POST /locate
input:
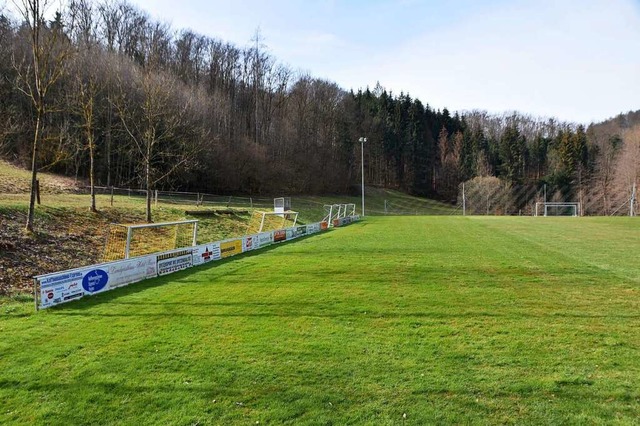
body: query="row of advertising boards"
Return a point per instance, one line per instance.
(62, 287)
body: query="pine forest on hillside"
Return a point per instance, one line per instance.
(112, 95)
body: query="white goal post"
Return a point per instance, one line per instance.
(552, 209)
(338, 211)
(282, 204)
(271, 221)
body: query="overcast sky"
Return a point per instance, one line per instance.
(577, 60)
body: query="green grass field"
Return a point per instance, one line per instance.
(407, 320)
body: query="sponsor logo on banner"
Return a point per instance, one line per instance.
(291, 233)
(60, 288)
(313, 228)
(95, 281)
(355, 217)
(174, 264)
(324, 225)
(230, 248)
(206, 253)
(336, 223)
(301, 231)
(280, 235)
(62, 278)
(265, 238)
(346, 220)
(250, 243)
(130, 271)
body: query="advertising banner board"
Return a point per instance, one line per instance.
(181, 260)
(250, 242)
(76, 283)
(265, 239)
(130, 271)
(279, 235)
(230, 248)
(62, 287)
(300, 231)
(206, 253)
(313, 228)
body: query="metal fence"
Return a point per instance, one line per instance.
(479, 196)
(490, 196)
(197, 199)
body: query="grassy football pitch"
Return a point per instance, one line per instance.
(404, 320)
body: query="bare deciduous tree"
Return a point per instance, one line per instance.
(37, 76)
(628, 166)
(156, 128)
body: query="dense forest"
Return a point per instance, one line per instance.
(104, 92)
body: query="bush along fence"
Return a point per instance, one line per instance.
(65, 286)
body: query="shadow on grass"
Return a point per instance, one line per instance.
(108, 387)
(328, 310)
(559, 390)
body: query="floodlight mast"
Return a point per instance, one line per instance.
(362, 140)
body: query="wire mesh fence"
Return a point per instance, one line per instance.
(197, 199)
(479, 196)
(491, 196)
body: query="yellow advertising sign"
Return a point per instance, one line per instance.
(229, 248)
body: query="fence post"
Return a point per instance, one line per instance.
(464, 202)
(112, 196)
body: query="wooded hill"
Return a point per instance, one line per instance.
(144, 105)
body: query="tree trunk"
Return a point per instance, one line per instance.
(148, 181)
(92, 173)
(108, 142)
(34, 173)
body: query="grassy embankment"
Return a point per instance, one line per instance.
(410, 320)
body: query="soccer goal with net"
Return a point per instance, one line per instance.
(270, 221)
(125, 241)
(557, 209)
(338, 211)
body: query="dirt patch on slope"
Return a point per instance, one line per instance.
(64, 239)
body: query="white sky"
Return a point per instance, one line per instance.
(577, 60)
